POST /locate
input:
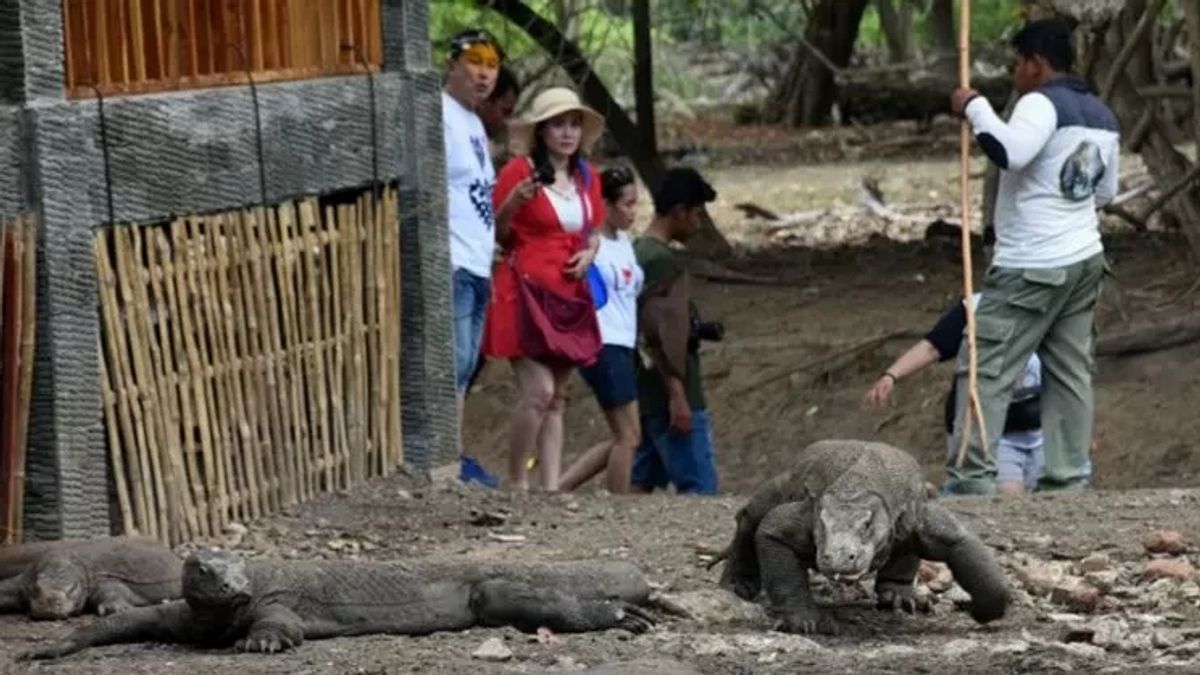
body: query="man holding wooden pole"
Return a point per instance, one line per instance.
(1058, 156)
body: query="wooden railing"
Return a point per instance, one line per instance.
(140, 46)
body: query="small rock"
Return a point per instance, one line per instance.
(1169, 568)
(572, 506)
(936, 575)
(712, 606)
(506, 538)
(1040, 578)
(958, 648)
(957, 596)
(1081, 649)
(1096, 562)
(403, 495)
(235, 529)
(1110, 632)
(1164, 541)
(1188, 590)
(492, 649)
(1104, 580)
(1010, 647)
(1076, 595)
(1165, 638)
(711, 646)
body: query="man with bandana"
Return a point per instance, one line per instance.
(472, 68)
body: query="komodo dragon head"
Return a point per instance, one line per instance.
(57, 588)
(850, 532)
(213, 578)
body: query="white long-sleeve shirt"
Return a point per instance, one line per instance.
(1058, 156)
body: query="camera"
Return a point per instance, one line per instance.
(544, 174)
(707, 331)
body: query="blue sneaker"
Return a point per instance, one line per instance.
(471, 470)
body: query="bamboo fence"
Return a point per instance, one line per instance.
(139, 46)
(18, 258)
(249, 360)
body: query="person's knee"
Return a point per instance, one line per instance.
(538, 395)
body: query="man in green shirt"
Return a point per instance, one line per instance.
(677, 440)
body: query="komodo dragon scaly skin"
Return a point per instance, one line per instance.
(269, 605)
(845, 509)
(61, 579)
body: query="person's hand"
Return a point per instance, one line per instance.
(681, 414)
(878, 395)
(960, 98)
(523, 192)
(578, 264)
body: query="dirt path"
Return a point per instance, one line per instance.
(1155, 625)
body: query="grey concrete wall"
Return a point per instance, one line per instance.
(191, 152)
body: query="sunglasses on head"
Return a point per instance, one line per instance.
(466, 41)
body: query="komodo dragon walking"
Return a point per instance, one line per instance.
(61, 579)
(845, 509)
(269, 605)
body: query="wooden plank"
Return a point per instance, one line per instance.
(151, 373)
(349, 272)
(162, 358)
(274, 397)
(374, 30)
(217, 370)
(239, 415)
(393, 362)
(120, 41)
(135, 43)
(245, 314)
(199, 366)
(146, 423)
(312, 320)
(336, 352)
(140, 482)
(11, 258)
(290, 302)
(184, 380)
(115, 450)
(174, 45)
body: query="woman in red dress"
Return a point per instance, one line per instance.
(548, 204)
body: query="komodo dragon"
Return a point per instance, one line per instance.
(60, 579)
(847, 508)
(270, 605)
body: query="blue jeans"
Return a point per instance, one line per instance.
(471, 295)
(667, 457)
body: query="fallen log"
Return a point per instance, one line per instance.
(1151, 337)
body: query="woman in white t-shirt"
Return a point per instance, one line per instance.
(613, 378)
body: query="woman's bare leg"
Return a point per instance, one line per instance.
(535, 396)
(550, 439)
(589, 464)
(627, 436)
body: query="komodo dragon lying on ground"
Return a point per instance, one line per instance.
(60, 579)
(269, 605)
(847, 508)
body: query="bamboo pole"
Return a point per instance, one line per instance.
(284, 370)
(332, 236)
(184, 380)
(964, 78)
(303, 395)
(316, 347)
(198, 371)
(393, 362)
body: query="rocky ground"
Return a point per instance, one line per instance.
(1104, 582)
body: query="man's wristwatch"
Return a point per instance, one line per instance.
(888, 373)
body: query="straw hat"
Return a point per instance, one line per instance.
(552, 103)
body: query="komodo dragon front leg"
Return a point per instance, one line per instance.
(894, 588)
(112, 596)
(941, 537)
(172, 622)
(502, 602)
(12, 598)
(785, 552)
(273, 628)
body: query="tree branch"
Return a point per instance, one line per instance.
(1131, 44)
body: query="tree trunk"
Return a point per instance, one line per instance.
(643, 75)
(806, 94)
(1191, 14)
(708, 241)
(896, 22)
(942, 27)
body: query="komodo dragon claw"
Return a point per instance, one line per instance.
(897, 598)
(634, 619)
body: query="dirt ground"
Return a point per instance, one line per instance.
(394, 518)
(781, 379)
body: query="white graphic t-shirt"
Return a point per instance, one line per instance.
(623, 279)
(470, 178)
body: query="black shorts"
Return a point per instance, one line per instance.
(612, 377)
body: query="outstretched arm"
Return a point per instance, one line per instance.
(941, 537)
(166, 623)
